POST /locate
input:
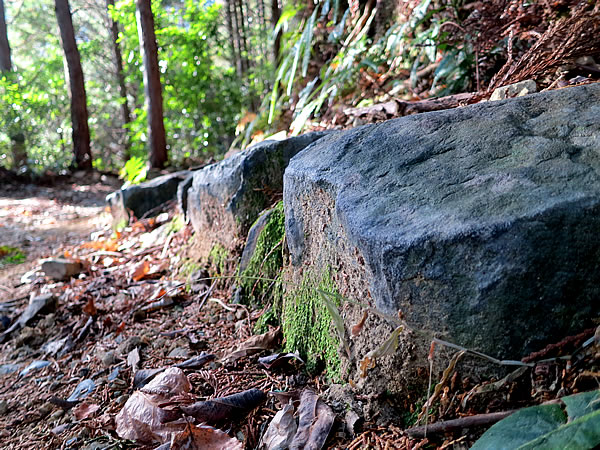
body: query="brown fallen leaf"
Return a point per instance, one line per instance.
(281, 430)
(253, 345)
(225, 408)
(203, 437)
(90, 308)
(108, 245)
(142, 419)
(279, 359)
(140, 270)
(356, 329)
(314, 424)
(85, 410)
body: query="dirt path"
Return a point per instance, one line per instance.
(41, 221)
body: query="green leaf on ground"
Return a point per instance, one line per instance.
(548, 426)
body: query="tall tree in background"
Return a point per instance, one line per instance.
(17, 138)
(156, 128)
(126, 114)
(79, 113)
(275, 15)
(5, 62)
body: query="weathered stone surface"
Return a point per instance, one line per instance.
(182, 193)
(480, 224)
(141, 198)
(61, 268)
(227, 197)
(38, 305)
(514, 90)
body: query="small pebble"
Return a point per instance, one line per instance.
(108, 358)
(45, 409)
(56, 415)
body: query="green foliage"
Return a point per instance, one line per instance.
(10, 255)
(134, 171)
(201, 95)
(548, 426)
(421, 40)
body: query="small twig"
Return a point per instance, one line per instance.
(220, 302)
(457, 424)
(205, 296)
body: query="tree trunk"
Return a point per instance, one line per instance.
(156, 127)
(243, 38)
(17, 139)
(5, 62)
(232, 39)
(125, 113)
(236, 39)
(79, 113)
(275, 15)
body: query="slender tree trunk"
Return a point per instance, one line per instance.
(5, 61)
(243, 38)
(17, 139)
(232, 4)
(79, 113)
(275, 15)
(232, 39)
(125, 113)
(156, 127)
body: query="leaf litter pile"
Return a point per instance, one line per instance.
(114, 347)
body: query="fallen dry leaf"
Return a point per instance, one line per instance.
(225, 408)
(140, 271)
(314, 424)
(356, 329)
(142, 419)
(90, 308)
(108, 245)
(85, 410)
(281, 430)
(253, 345)
(203, 437)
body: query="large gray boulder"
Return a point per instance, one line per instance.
(480, 224)
(143, 198)
(227, 197)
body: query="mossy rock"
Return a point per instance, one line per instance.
(307, 325)
(262, 260)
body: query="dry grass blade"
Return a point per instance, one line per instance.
(569, 38)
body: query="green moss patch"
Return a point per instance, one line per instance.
(11, 255)
(308, 328)
(218, 260)
(256, 282)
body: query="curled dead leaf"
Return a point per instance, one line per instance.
(253, 345)
(230, 407)
(356, 329)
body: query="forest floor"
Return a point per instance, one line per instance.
(68, 371)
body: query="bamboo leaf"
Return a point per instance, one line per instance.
(308, 41)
